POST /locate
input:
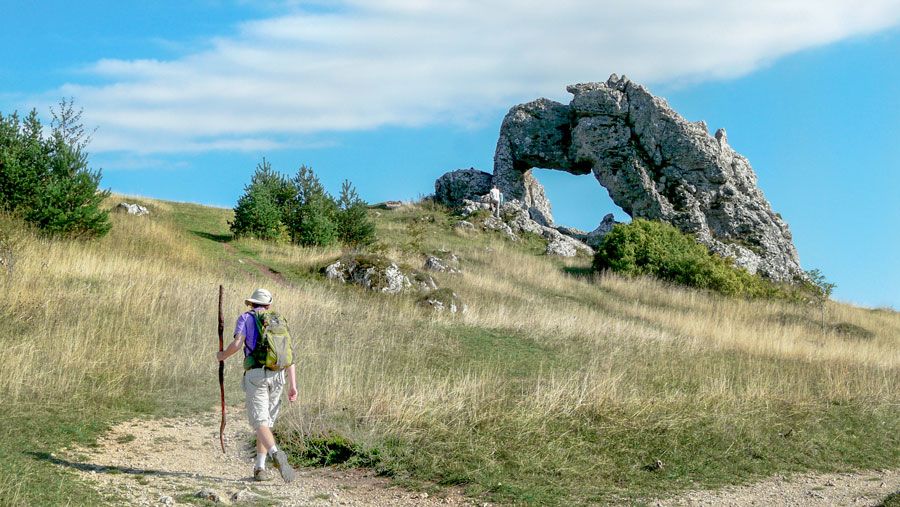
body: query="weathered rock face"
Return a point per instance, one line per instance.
(655, 165)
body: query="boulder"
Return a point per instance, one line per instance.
(133, 209)
(453, 187)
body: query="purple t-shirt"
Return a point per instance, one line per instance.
(246, 326)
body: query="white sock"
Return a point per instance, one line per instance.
(261, 461)
(273, 450)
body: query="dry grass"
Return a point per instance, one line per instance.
(547, 376)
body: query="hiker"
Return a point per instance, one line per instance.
(262, 385)
(496, 197)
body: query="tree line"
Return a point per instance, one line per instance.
(275, 207)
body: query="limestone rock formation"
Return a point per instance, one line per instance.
(655, 165)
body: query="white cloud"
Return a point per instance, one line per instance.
(361, 64)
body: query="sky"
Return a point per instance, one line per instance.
(390, 94)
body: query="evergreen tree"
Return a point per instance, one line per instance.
(311, 216)
(260, 211)
(354, 227)
(47, 180)
(69, 202)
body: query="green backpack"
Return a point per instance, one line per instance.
(273, 345)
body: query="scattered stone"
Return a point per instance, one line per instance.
(210, 495)
(133, 209)
(443, 299)
(440, 265)
(423, 281)
(493, 223)
(387, 205)
(166, 500)
(464, 225)
(245, 495)
(469, 206)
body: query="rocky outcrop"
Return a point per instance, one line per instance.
(378, 273)
(655, 165)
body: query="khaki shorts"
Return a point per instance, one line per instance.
(263, 389)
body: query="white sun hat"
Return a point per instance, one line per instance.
(260, 297)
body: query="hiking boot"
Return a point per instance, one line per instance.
(261, 474)
(280, 460)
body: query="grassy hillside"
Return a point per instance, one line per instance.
(555, 387)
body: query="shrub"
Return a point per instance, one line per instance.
(658, 249)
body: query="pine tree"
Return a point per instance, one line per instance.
(311, 216)
(48, 180)
(354, 227)
(260, 211)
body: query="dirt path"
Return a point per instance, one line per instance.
(849, 489)
(172, 461)
(264, 270)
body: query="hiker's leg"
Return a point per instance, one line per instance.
(264, 439)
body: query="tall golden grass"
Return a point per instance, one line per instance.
(135, 313)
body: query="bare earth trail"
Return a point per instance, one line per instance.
(170, 461)
(264, 270)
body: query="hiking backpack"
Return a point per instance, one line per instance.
(273, 349)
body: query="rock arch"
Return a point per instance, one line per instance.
(654, 164)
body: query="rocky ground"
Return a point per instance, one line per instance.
(180, 461)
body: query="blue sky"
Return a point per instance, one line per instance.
(391, 94)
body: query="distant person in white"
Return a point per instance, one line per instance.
(496, 197)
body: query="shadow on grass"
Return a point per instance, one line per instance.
(90, 467)
(218, 238)
(585, 273)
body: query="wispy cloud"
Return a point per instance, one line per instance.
(361, 64)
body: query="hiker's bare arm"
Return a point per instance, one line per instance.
(231, 348)
(292, 382)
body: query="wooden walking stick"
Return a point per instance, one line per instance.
(222, 370)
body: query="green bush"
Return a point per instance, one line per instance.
(658, 249)
(46, 180)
